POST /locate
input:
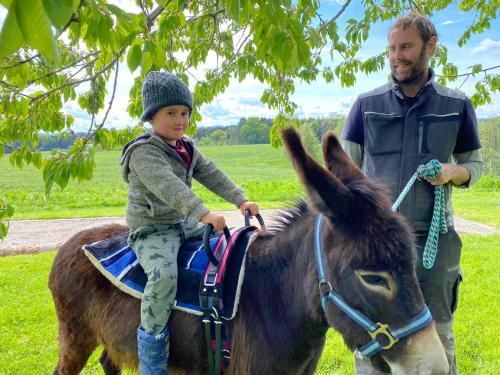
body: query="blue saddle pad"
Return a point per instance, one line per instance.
(117, 261)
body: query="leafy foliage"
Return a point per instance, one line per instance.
(53, 52)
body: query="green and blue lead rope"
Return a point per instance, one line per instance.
(438, 223)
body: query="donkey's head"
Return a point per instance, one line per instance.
(368, 261)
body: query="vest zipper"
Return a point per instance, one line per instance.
(420, 136)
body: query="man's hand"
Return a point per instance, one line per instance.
(218, 221)
(457, 174)
(251, 206)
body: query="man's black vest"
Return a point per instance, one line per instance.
(399, 135)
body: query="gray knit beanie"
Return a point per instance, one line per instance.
(161, 89)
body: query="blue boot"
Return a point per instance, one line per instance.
(153, 352)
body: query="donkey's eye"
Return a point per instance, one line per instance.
(376, 280)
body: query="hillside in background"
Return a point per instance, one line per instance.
(254, 130)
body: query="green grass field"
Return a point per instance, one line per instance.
(28, 324)
(265, 174)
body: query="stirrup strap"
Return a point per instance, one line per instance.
(208, 340)
(218, 345)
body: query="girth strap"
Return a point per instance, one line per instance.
(210, 301)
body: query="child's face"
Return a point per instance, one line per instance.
(171, 122)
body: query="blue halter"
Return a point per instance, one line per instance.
(423, 319)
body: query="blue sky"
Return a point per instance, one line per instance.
(320, 99)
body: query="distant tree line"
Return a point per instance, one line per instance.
(252, 130)
(49, 142)
(255, 130)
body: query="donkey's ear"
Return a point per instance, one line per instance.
(327, 192)
(338, 162)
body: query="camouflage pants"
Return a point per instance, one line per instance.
(439, 286)
(156, 247)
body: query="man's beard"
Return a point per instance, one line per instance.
(417, 69)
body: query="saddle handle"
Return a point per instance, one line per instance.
(258, 217)
(206, 242)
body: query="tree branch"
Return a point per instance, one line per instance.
(78, 82)
(20, 62)
(339, 13)
(112, 96)
(154, 15)
(91, 133)
(6, 146)
(467, 74)
(29, 83)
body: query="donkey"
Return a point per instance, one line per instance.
(367, 261)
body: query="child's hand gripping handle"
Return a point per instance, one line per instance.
(257, 216)
(206, 242)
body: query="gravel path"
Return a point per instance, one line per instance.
(32, 236)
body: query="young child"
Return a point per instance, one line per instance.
(162, 211)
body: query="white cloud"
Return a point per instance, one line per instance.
(488, 46)
(450, 22)
(339, 2)
(128, 6)
(229, 107)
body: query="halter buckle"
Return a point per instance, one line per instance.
(324, 288)
(383, 329)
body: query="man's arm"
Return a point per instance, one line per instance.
(353, 134)
(469, 164)
(468, 169)
(473, 162)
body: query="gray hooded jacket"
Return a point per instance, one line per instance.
(159, 189)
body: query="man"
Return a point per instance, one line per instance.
(393, 129)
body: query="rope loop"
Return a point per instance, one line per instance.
(438, 222)
(430, 170)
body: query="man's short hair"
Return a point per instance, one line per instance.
(425, 27)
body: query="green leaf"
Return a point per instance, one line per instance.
(477, 68)
(3, 230)
(147, 62)
(233, 6)
(10, 210)
(59, 11)
(159, 57)
(12, 158)
(11, 37)
(134, 55)
(36, 159)
(6, 3)
(64, 175)
(6, 210)
(27, 23)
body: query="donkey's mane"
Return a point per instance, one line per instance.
(288, 216)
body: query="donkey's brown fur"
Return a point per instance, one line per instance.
(280, 327)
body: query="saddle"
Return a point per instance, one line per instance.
(117, 261)
(210, 274)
